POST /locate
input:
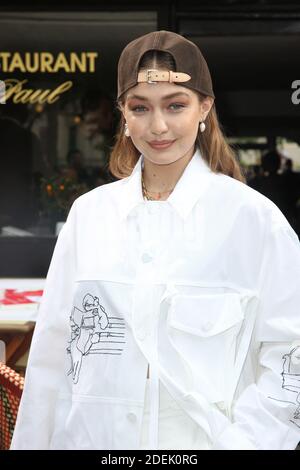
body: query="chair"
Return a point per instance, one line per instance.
(11, 387)
(2, 352)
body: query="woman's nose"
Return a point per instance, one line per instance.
(158, 123)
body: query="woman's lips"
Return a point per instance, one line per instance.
(160, 146)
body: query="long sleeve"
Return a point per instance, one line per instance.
(45, 363)
(266, 412)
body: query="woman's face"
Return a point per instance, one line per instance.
(153, 115)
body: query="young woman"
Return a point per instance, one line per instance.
(170, 317)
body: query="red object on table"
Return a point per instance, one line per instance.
(14, 296)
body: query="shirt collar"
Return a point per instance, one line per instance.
(188, 190)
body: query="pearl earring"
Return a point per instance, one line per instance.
(202, 127)
(126, 130)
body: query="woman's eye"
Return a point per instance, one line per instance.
(174, 106)
(136, 108)
(177, 105)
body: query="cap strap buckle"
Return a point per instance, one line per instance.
(154, 76)
(149, 76)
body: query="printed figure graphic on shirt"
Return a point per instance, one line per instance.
(291, 380)
(87, 328)
(291, 376)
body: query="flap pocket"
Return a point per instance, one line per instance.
(205, 314)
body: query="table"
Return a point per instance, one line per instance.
(19, 302)
(17, 339)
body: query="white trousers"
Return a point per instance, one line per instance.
(176, 430)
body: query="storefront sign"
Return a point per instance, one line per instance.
(41, 62)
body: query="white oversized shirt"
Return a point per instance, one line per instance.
(204, 286)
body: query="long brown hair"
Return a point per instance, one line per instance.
(212, 143)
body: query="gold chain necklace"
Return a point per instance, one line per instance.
(146, 193)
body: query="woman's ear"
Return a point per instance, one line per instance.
(206, 105)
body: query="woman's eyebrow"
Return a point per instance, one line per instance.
(144, 98)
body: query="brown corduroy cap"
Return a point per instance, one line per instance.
(191, 67)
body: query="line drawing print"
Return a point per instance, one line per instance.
(93, 332)
(291, 379)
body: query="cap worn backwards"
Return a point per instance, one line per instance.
(191, 67)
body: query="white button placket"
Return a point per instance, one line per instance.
(145, 313)
(145, 323)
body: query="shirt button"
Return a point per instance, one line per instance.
(146, 258)
(132, 417)
(207, 326)
(133, 213)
